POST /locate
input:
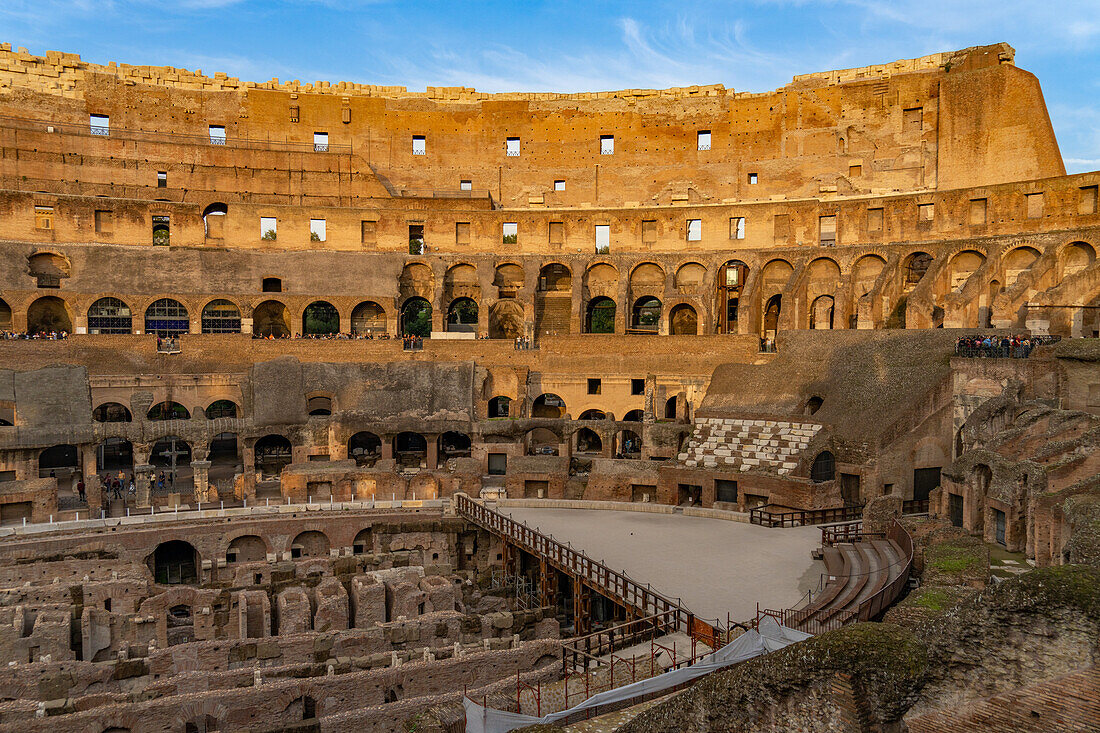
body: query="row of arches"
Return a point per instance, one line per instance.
(167, 410)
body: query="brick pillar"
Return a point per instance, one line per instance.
(387, 447)
(202, 483)
(432, 460)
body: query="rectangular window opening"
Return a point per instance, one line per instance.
(737, 227)
(1034, 205)
(103, 221)
(99, 124)
(782, 227)
(607, 144)
(320, 142)
(462, 232)
(874, 220)
(649, 231)
(827, 230)
(509, 232)
(416, 239)
(595, 386)
(694, 230)
(603, 238)
(557, 233)
(559, 185)
(217, 134)
(43, 217)
(162, 179)
(1087, 205)
(367, 229)
(637, 386)
(978, 209)
(316, 230)
(269, 228)
(753, 179)
(926, 213)
(511, 147)
(704, 140)
(912, 119)
(855, 170)
(466, 185)
(420, 145)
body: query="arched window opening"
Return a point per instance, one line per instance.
(368, 318)
(270, 319)
(112, 412)
(588, 441)
(58, 461)
(221, 316)
(246, 548)
(454, 445)
(670, 408)
(813, 405)
(823, 468)
(319, 405)
(555, 277)
(168, 411)
(416, 318)
(49, 315)
(174, 563)
(600, 317)
(646, 316)
(221, 408)
(683, 321)
(364, 448)
(410, 450)
(320, 319)
(916, 267)
(213, 220)
(310, 543)
(499, 406)
(462, 316)
(541, 442)
(593, 415)
(5, 316)
(731, 279)
(548, 405)
(633, 416)
(110, 315)
(167, 318)
(273, 453)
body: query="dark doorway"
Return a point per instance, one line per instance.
(849, 488)
(924, 480)
(955, 509)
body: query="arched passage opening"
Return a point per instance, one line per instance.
(114, 455)
(49, 315)
(224, 456)
(246, 548)
(731, 279)
(363, 542)
(213, 220)
(593, 414)
(60, 461)
(628, 444)
(320, 318)
(541, 442)
(222, 408)
(600, 316)
(221, 316)
(368, 319)
(111, 412)
(548, 405)
(823, 467)
(634, 416)
(500, 406)
(1076, 257)
(174, 563)
(454, 445)
(273, 454)
(821, 313)
(364, 448)
(553, 300)
(670, 408)
(110, 315)
(416, 318)
(168, 411)
(410, 450)
(646, 315)
(683, 320)
(462, 316)
(5, 316)
(173, 454)
(167, 318)
(588, 441)
(916, 265)
(771, 318)
(310, 543)
(270, 319)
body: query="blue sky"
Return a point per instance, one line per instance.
(752, 45)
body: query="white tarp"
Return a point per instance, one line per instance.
(769, 637)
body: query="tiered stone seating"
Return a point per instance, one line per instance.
(856, 572)
(745, 445)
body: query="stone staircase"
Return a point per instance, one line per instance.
(746, 445)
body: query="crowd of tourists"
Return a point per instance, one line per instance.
(992, 346)
(37, 336)
(412, 343)
(524, 343)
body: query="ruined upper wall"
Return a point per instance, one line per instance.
(873, 130)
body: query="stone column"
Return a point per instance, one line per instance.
(143, 475)
(432, 460)
(387, 447)
(201, 470)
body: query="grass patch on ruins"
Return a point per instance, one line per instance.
(932, 599)
(961, 556)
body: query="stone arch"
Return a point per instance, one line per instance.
(541, 442)
(683, 320)
(462, 315)
(628, 444)
(58, 458)
(587, 440)
(112, 412)
(508, 278)
(1076, 256)
(645, 316)
(168, 410)
(915, 266)
(647, 275)
(310, 543)
(823, 468)
(772, 309)
(368, 318)
(365, 448)
(49, 314)
(453, 444)
(865, 272)
(213, 220)
(821, 313)
(110, 315)
(410, 449)
(364, 541)
(271, 318)
(500, 406)
(174, 562)
(634, 416)
(728, 288)
(1016, 262)
(5, 315)
(548, 405)
(221, 316)
(460, 281)
(247, 548)
(593, 414)
(601, 278)
(555, 277)
(599, 316)
(416, 317)
(506, 320)
(222, 408)
(273, 453)
(690, 277)
(48, 268)
(417, 280)
(320, 318)
(167, 317)
(961, 267)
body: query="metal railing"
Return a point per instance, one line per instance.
(583, 652)
(72, 128)
(639, 599)
(766, 516)
(851, 532)
(914, 506)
